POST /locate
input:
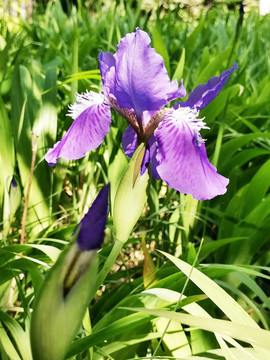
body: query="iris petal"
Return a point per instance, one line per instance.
(183, 162)
(146, 161)
(142, 82)
(180, 93)
(203, 94)
(153, 156)
(129, 142)
(91, 125)
(107, 71)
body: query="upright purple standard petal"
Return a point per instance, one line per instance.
(107, 71)
(180, 93)
(93, 224)
(182, 158)
(141, 80)
(92, 119)
(203, 94)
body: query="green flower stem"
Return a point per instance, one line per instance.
(108, 264)
(218, 144)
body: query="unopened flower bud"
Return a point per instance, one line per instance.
(68, 287)
(130, 196)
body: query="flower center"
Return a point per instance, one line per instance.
(190, 117)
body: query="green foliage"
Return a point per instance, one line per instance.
(223, 297)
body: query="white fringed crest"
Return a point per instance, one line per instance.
(190, 117)
(84, 101)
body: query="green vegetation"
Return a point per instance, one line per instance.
(200, 288)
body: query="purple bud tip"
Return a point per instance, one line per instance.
(93, 224)
(14, 183)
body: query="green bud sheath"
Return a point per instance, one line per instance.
(130, 196)
(62, 302)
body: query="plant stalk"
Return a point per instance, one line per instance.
(108, 265)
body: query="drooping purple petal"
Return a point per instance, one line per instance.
(93, 224)
(92, 118)
(183, 162)
(203, 94)
(129, 141)
(142, 82)
(107, 71)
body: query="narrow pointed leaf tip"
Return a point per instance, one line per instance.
(92, 226)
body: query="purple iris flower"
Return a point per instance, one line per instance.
(92, 226)
(136, 85)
